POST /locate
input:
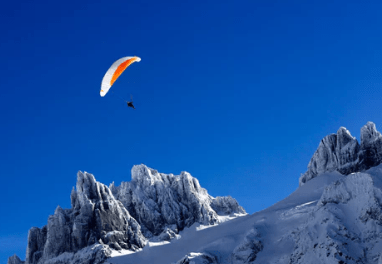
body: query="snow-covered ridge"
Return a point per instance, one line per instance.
(152, 206)
(331, 219)
(345, 225)
(341, 152)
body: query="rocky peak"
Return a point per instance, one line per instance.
(86, 184)
(162, 201)
(344, 137)
(96, 217)
(152, 205)
(142, 173)
(15, 260)
(369, 134)
(341, 152)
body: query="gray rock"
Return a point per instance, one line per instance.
(95, 217)
(343, 153)
(58, 234)
(226, 205)
(371, 147)
(15, 260)
(167, 235)
(346, 152)
(36, 242)
(158, 200)
(247, 251)
(199, 258)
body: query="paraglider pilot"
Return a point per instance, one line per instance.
(130, 104)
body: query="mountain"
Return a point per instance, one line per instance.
(263, 237)
(341, 152)
(151, 207)
(334, 216)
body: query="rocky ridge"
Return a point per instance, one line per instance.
(159, 201)
(341, 152)
(152, 206)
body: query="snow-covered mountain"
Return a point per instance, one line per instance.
(334, 216)
(331, 219)
(151, 207)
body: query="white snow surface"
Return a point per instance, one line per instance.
(267, 234)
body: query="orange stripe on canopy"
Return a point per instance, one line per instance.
(120, 69)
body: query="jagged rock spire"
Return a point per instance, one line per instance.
(95, 217)
(341, 152)
(159, 200)
(15, 260)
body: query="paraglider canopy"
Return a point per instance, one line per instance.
(115, 71)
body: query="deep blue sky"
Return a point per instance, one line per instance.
(238, 93)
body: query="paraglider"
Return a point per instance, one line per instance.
(130, 104)
(112, 74)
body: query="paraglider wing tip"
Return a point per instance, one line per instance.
(137, 59)
(102, 93)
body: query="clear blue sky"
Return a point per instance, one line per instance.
(238, 93)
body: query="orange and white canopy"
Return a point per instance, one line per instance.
(115, 71)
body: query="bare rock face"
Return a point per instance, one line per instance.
(347, 150)
(96, 218)
(159, 201)
(226, 205)
(199, 258)
(14, 260)
(101, 215)
(58, 234)
(343, 153)
(247, 251)
(371, 146)
(36, 242)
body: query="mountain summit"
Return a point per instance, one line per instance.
(167, 203)
(341, 152)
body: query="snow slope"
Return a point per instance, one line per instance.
(227, 243)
